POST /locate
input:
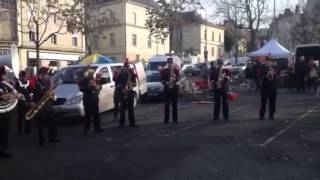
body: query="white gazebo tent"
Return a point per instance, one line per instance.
(271, 49)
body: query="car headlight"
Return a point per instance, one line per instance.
(74, 100)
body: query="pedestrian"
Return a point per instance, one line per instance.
(45, 118)
(91, 89)
(24, 98)
(220, 78)
(268, 91)
(125, 81)
(312, 78)
(4, 116)
(249, 76)
(301, 70)
(169, 77)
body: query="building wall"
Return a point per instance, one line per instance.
(63, 46)
(123, 31)
(136, 26)
(215, 42)
(8, 28)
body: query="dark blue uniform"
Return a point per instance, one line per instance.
(91, 105)
(268, 92)
(170, 94)
(22, 87)
(45, 118)
(126, 96)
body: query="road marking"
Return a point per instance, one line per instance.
(271, 139)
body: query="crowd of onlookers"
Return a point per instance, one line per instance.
(304, 76)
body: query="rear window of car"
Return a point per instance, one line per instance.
(72, 74)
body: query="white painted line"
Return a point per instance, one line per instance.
(271, 139)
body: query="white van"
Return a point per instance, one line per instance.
(69, 96)
(159, 61)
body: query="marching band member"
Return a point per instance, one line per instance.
(169, 78)
(268, 91)
(45, 116)
(220, 79)
(125, 81)
(91, 89)
(24, 96)
(4, 117)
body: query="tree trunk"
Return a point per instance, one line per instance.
(37, 43)
(252, 43)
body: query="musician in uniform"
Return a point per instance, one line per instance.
(4, 116)
(24, 96)
(91, 89)
(45, 118)
(268, 90)
(220, 78)
(125, 81)
(169, 78)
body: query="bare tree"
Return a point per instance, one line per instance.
(232, 12)
(81, 18)
(306, 31)
(45, 20)
(166, 17)
(254, 12)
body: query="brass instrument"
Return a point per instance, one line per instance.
(33, 112)
(221, 78)
(173, 78)
(270, 73)
(8, 97)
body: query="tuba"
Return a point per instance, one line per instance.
(8, 97)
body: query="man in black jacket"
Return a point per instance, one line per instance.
(4, 120)
(169, 78)
(91, 89)
(125, 81)
(45, 117)
(220, 78)
(24, 96)
(268, 90)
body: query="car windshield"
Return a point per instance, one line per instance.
(237, 65)
(72, 74)
(154, 77)
(156, 65)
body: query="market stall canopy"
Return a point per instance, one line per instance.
(271, 49)
(96, 59)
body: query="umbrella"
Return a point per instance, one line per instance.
(96, 59)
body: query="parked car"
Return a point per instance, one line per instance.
(159, 61)
(191, 69)
(155, 87)
(69, 96)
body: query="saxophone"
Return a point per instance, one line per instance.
(33, 112)
(173, 78)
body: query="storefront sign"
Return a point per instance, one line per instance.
(54, 56)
